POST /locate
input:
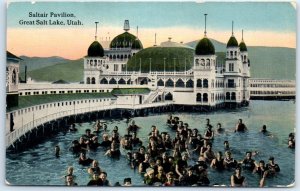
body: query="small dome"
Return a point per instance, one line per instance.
(96, 50)
(205, 47)
(124, 40)
(243, 46)
(232, 42)
(137, 44)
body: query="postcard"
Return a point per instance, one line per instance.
(151, 94)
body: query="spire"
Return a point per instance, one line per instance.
(96, 30)
(232, 29)
(242, 35)
(155, 40)
(126, 25)
(137, 32)
(205, 25)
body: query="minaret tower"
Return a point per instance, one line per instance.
(246, 71)
(95, 62)
(233, 75)
(204, 70)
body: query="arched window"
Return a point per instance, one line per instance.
(197, 62)
(205, 84)
(169, 83)
(169, 96)
(179, 83)
(110, 56)
(91, 62)
(93, 81)
(208, 62)
(202, 62)
(233, 97)
(88, 80)
(144, 81)
(160, 82)
(198, 98)
(14, 77)
(227, 96)
(125, 57)
(121, 81)
(112, 81)
(118, 56)
(95, 62)
(129, 81)
(114, 57)
(199, 83)
(205, 97)
(190, 83)
(121, 57)
(103, 81)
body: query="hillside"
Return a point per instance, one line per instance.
(34, 63)
(70, 71)
(266, 62)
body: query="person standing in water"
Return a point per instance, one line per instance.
(240, 127)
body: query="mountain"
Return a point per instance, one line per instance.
(69, 71)
(34, 63)
(265, 62)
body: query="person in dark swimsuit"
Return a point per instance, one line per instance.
(240, 127)
(113, 152)
(218, 163)
(248, 162)
(83, 160)
(237, 180)
(272, 167)
(229, 162)
(261, 169)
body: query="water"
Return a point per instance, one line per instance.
(39, 166)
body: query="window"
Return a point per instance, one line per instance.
(231, 83)
(231, 67)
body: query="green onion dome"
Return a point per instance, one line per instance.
(95, 50)
(243, 46)
(232, 42)
(124, 40)
(137, 45)
(162, 59)
(205, 47)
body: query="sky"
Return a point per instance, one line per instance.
(264, 24)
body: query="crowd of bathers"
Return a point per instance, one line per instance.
(163, 160)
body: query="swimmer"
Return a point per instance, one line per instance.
(229, 162)
(127, 182)
(57, 151)
(103, 177)
(209, 133)
(220, 129)
(83, 160)
(218, 162)
(95, 169)
(70, 181)
(272, 167)
(170, 179)
(237, 180)
(248, 162)
(96, 181)
(73, 128)
(113, 152)
(240, 127)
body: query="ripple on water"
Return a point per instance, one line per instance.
(39, 166)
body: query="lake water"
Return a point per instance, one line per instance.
(39, 166)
